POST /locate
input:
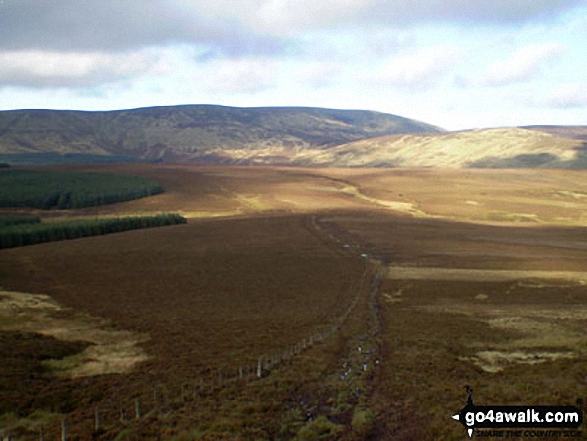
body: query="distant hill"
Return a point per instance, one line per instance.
(574, 132)
(296, 136)
(202, 133)
(486, 148)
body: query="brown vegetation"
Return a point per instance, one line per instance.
(272, 256)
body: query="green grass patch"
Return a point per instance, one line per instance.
(320, 428)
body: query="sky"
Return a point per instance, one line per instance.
(457, 64)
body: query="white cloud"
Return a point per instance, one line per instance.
(319, 74)
(418, 69)
(238, 76)
(523, 65)
(284, 17)
(570, 96)
(38, 69)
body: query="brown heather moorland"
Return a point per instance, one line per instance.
(354, 282)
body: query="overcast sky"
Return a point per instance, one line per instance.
(457, 64)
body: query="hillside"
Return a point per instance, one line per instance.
(488, 148)
(202, 133)
(296, 136)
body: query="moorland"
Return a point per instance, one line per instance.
(299, 303)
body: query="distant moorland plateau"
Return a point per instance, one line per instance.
(295, 136)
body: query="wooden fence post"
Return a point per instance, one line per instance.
(260, 367)
(184, 391)
(195, 389)
(63, 430)
(41, 433)
(137, 408)
(96, 420)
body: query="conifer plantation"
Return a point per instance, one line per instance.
(29, 233)
(65, 190)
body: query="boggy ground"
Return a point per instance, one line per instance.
(273, 256)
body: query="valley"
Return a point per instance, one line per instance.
(300, 303)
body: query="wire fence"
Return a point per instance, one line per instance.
(164, 398)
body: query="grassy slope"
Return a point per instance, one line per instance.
(514, 147)
(284, 136)
(191, 132)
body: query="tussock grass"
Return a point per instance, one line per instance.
(110, 351)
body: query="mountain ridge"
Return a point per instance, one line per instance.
(191, 132)
(291, 136)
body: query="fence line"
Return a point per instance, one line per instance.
(122, 413)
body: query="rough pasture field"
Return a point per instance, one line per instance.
(404, 276)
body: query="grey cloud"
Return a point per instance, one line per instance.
(502, 12)
(219, 29)
(115, 25)
(289, 17)
(231, 28)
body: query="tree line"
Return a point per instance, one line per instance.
(22, 234)
(66, 190)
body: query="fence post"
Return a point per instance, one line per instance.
(63, 430)
(96, 420)
(41, 433)
(183, 393)
(260, 367)
(137, 409)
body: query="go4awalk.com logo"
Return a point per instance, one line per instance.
(520, 421)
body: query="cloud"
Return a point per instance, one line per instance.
(503, 12)
(570, 96)
(114, 25)
(319, 74)
(238, 76)
(283, 17)
(273, 15)
(48, 69)
(418, 69)
(233, 28)
(523, 65)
